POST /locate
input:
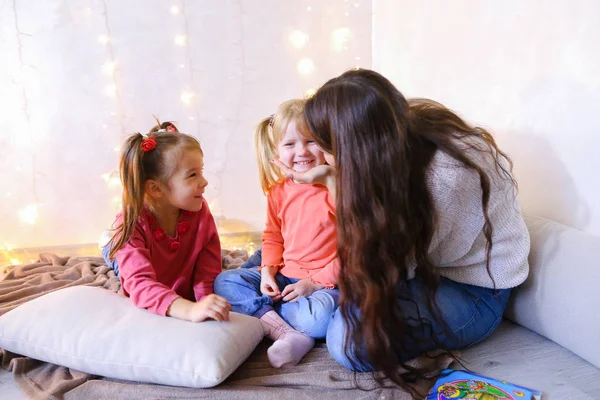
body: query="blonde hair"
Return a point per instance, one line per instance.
(269, 132)
(137, 166)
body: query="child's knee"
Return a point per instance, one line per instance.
(235, 278)
(324, 302)
(223, 280)
(317, 312)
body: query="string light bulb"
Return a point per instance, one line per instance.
(174, 10)
(340, 37)
(104, 39)
(112, 179)
(187, 97)
(180, 40)
(298, 39)
(108, 67)
(306, 66)
(310, 93)
(104, 239)
(29, 214)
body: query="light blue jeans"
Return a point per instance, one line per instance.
(471, 313)
(254, 260)
(112, 264)
(310, 315)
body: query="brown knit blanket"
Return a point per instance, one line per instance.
(317, 376)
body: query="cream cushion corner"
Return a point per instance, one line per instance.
(100, 332)
(560, 298)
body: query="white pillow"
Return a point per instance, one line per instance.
(100, 332)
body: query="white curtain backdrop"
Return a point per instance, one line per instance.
(78, 76)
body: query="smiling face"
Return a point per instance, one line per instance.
(297, 151)
(187, 184)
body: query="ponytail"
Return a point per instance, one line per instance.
(133, 179)
(266, 150)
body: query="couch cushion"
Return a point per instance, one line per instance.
(560, 298)
(520, 356)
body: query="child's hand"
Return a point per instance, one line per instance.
(303, 287)
(268, 285)
(212, 306)
(321, 174)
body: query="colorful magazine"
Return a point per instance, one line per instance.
(463, 385)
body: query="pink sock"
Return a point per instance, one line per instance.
(289, 345)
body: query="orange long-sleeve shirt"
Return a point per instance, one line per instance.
(300, 234)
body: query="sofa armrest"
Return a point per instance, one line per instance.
(561, 297)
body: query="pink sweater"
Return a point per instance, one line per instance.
(156, 269)
(300, 234)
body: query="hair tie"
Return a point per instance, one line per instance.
(271, 119)
(170, 128)
(148, 143)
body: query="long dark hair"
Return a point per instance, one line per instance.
(383, 145)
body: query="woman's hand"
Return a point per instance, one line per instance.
(321, 174)
(303, 287)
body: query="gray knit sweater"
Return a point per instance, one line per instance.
(458, 244)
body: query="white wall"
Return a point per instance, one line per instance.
(64, 111)
(527, 70)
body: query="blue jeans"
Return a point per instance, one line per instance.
(112, 264)
(254, 260)
(310, 315)
(471, 313)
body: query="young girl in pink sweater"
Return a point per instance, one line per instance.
(293, 291)
(165, 241)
